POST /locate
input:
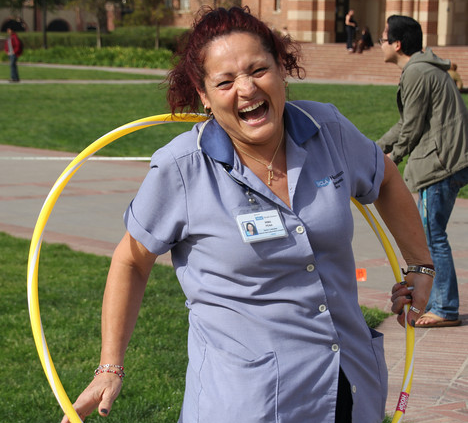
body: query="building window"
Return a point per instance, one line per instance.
(277, 5)
(184, 4)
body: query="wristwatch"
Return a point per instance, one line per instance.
(420, 269)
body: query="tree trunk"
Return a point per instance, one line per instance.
(98, 36)
(101, 15)
(44, 24)
(156, 40)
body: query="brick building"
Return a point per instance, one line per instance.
(322, 21)
(315, 21)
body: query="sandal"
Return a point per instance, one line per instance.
(434, 321)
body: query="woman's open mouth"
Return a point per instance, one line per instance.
(254, 112)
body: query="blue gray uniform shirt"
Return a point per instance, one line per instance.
(271, 322)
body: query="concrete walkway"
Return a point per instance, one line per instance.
(88, 217)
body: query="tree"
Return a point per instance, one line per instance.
(99, 9)
(44, 6)
(15, 22)
(13, 5)
(150, 13)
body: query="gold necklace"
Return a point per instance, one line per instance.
(269, 166)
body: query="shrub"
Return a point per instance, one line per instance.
(141, 36)
(144, 36)
(134, 57)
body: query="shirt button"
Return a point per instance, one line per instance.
(300, 229)
(322, 308)
(335, 347)
(310, 267)
(354, 389)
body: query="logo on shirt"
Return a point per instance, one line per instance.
(335, 179)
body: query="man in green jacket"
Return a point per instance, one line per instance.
(433, 132)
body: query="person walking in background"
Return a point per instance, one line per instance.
(433, 131)
(13, 49)
(350, 28)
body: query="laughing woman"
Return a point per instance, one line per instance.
(282, 339)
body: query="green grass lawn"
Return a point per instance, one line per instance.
(29, 73)
(71, 285)
(68, 117)
(53, 115)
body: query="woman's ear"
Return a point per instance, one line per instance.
(283, 72)
(203, 98)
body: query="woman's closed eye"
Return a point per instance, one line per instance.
(224, 84)
(256, 73)
(259, 71)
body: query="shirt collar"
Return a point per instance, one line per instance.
(215, 142)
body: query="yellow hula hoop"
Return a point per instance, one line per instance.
(36, 242)
(410, 339)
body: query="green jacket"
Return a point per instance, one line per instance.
(433, 125)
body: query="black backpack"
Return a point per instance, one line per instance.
(21, 46)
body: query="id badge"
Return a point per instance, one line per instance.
(261, 225)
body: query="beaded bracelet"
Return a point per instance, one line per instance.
(106, 368)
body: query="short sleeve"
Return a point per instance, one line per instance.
(157, 216)
(365, 161)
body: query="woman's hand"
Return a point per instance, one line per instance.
(415, 290)
(100, 393)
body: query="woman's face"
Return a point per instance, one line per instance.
(244, 88)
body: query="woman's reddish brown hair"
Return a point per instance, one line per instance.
(188, 75)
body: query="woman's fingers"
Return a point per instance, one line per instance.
(402, 294)
(100, 393)
(415, 290)
(108, 398)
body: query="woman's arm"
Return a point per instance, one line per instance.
(398, 210)
(348, 20)
(126, 282)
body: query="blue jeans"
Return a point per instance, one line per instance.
(13, 68)
(435, 207)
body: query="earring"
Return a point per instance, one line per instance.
(207, 111)
(285, 84)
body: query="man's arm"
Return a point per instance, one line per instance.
(414, 105)
(387, 141)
